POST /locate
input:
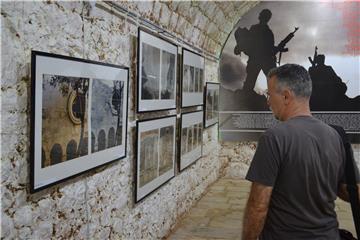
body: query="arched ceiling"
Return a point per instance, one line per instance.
(204, 24)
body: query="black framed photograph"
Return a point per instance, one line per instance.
(157, 63)
(190, 138)
(211, 104)
(192, 83)
(155, 161)
(79, 116)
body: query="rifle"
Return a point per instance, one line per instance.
(281, 47)
(312, 61)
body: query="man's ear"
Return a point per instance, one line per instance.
(288, 96)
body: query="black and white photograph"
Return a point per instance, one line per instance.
(150, 78)
(157, 61)
(322, 36)
(149, 156)
(107, 105)
(191, 138)
(211, 104)
(192, 79)
(168, 76)
(79, 116)
(165, 149)
(155, 161)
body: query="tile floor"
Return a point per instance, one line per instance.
(219, 213)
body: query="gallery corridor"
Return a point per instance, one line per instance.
(219, 213)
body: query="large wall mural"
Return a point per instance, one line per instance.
(321, 36)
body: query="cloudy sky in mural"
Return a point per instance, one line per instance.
(331, 26)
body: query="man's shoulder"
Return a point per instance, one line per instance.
(300, 125)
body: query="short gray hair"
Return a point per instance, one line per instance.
(294, 77)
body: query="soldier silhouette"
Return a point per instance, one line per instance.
(258, 44)
(328, 89)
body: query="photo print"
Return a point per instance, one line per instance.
(326, 44)
(107, 105)
(156, 73)
(155, 162)
(192, 79)
(79, 116)
(211, 104)
(63, 94)
(191, 138)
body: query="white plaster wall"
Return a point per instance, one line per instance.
(97, 204)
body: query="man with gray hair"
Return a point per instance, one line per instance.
(298, 169)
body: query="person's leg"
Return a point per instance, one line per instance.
(252, 72)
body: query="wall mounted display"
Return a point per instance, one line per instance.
(191, 138)
(155, 162)
(157, 63)
(326, 44)
(193, 65)
(79, 116)
(211, 104)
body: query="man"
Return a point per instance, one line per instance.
(261, 50)
(298, 168)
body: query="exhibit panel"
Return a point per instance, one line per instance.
(155, 159)
(321, 36)
(190, 138)
(89, 101)
(157, 64)
(192, 81)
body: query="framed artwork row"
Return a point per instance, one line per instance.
(211, 104)
(157, 64)
(79, 116)
(155, 162)
(192, 85)
(190, 138)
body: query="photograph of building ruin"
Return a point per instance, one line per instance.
(149, 156)
(106, 114)
(64, 119)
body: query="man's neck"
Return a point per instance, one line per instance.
(298, 109)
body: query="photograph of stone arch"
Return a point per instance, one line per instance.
(157, 67)
(155, 160)
(107, 105)
(64, 103)
(191, 138)
(79, 116)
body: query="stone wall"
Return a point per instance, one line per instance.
(239, 155)
(98, 204)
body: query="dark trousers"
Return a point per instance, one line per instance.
(253, 69)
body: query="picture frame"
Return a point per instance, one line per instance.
(211, 113)
(78, 117)
(191, 138)
(192, 79)
(157, 72)
(155, 154)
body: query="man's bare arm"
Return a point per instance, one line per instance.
(343, 193)
(256, 210)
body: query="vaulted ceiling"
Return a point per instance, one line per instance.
(204, 24)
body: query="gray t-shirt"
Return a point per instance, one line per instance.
(303, 159)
